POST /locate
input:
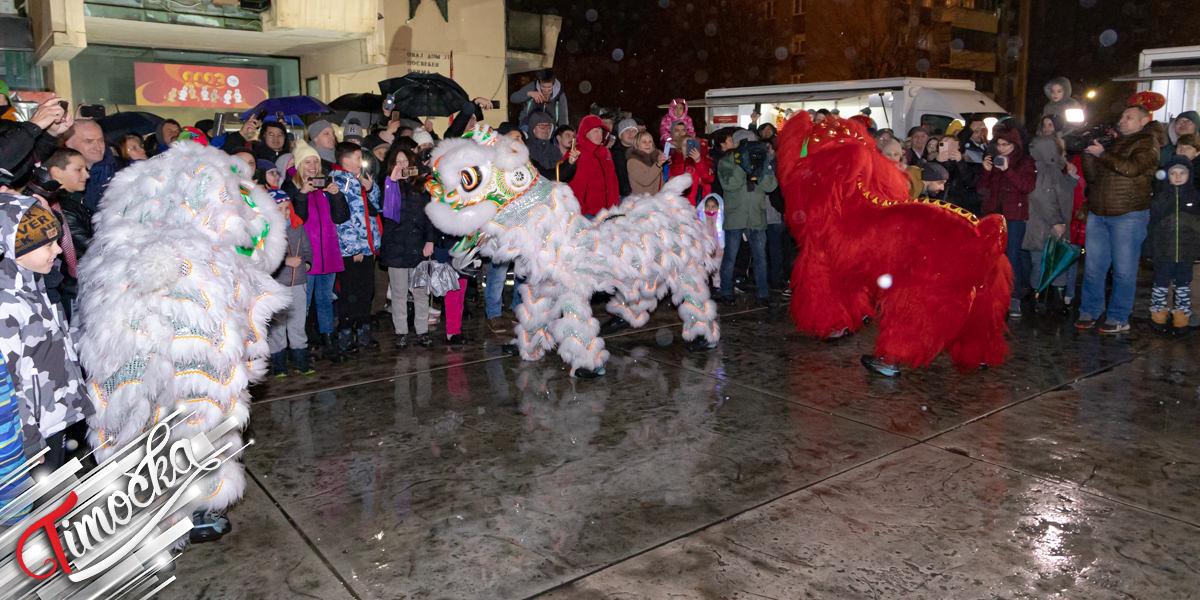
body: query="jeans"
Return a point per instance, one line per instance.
(758, 253)
(320, 291)
(1018, 258)
(776, 260)
(493, 292)
(1114, 242)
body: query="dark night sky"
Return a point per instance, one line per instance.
(670, 48)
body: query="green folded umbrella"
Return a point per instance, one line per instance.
(1058, 255)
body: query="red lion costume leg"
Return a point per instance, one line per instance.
(935, 276)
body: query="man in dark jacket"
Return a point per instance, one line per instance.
(626, 134)
(1119, 188)
(543, 148)
(87, 137)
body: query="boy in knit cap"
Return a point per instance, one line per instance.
(34, 339)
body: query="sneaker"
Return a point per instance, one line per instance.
(613, 325)
(1014, 309)
(787, 292)
(1085, 321)
(1114, 327)
(209, 526)
(499, 325)
(423, 340)
(457, 339)
(401, 341)
(878, 366)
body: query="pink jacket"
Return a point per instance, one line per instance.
(664, 126)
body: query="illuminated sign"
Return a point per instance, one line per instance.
(198, 86)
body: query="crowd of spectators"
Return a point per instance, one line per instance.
(355, 194)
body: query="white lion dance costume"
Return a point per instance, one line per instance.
(485, 188)
(175, 295)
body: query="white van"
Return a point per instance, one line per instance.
(896, 103)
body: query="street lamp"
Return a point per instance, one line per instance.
(1091, 94)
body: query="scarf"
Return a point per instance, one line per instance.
(647, 159)
(392, 199)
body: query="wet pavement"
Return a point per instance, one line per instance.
(772, 467)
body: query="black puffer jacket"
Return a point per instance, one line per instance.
(405, 238)
(21, 146)
(1175, 219)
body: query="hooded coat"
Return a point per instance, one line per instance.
(556, 107)
(1059, 109)
(664, 126)
(1006, 192)
(595, 182)
(1051, 201)
(1175, 218)
(1168, 150)
(36, 343)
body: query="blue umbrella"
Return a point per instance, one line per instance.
(289, 106)
(289, 119)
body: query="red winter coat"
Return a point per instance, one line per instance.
(701, 172)
(1007, 192)
(1079, 228)
(595, 182)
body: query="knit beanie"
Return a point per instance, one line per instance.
(284, 161)
(38, 227)
(626, 124)
(934, 172)
(303, 151)
(1190, 115)
(422, 137)
(316, 128)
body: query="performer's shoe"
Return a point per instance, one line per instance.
(874, 364)
(302, 362)
(614, 325)
(581, 373)
(701, 344)
(423, 340)
(209, 526)
(401, 341)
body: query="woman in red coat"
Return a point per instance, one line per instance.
(595, 181)
(1007, 179)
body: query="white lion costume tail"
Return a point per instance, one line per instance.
(640, 251)
(175, 293)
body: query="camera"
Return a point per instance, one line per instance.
(389, 103)
(1001, 161)
(411, 172)
(1077, 143)
(318, 181)
(92, 111)
(753, 157)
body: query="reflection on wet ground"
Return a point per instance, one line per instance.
(772, 467)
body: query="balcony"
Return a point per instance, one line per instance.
(969, 60)
(531, 40)
(973, 19)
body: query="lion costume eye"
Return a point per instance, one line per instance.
(470, 178)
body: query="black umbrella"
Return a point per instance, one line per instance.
(371, 103)
(136, 122)
(425, 94)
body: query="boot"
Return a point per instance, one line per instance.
(329, 348)
(1179, 321)
(1054, 302)
(364, 338)
(279, 363)
(345, 340)
(1158, 320)
(302, 364)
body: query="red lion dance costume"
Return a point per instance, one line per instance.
(933, 275)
